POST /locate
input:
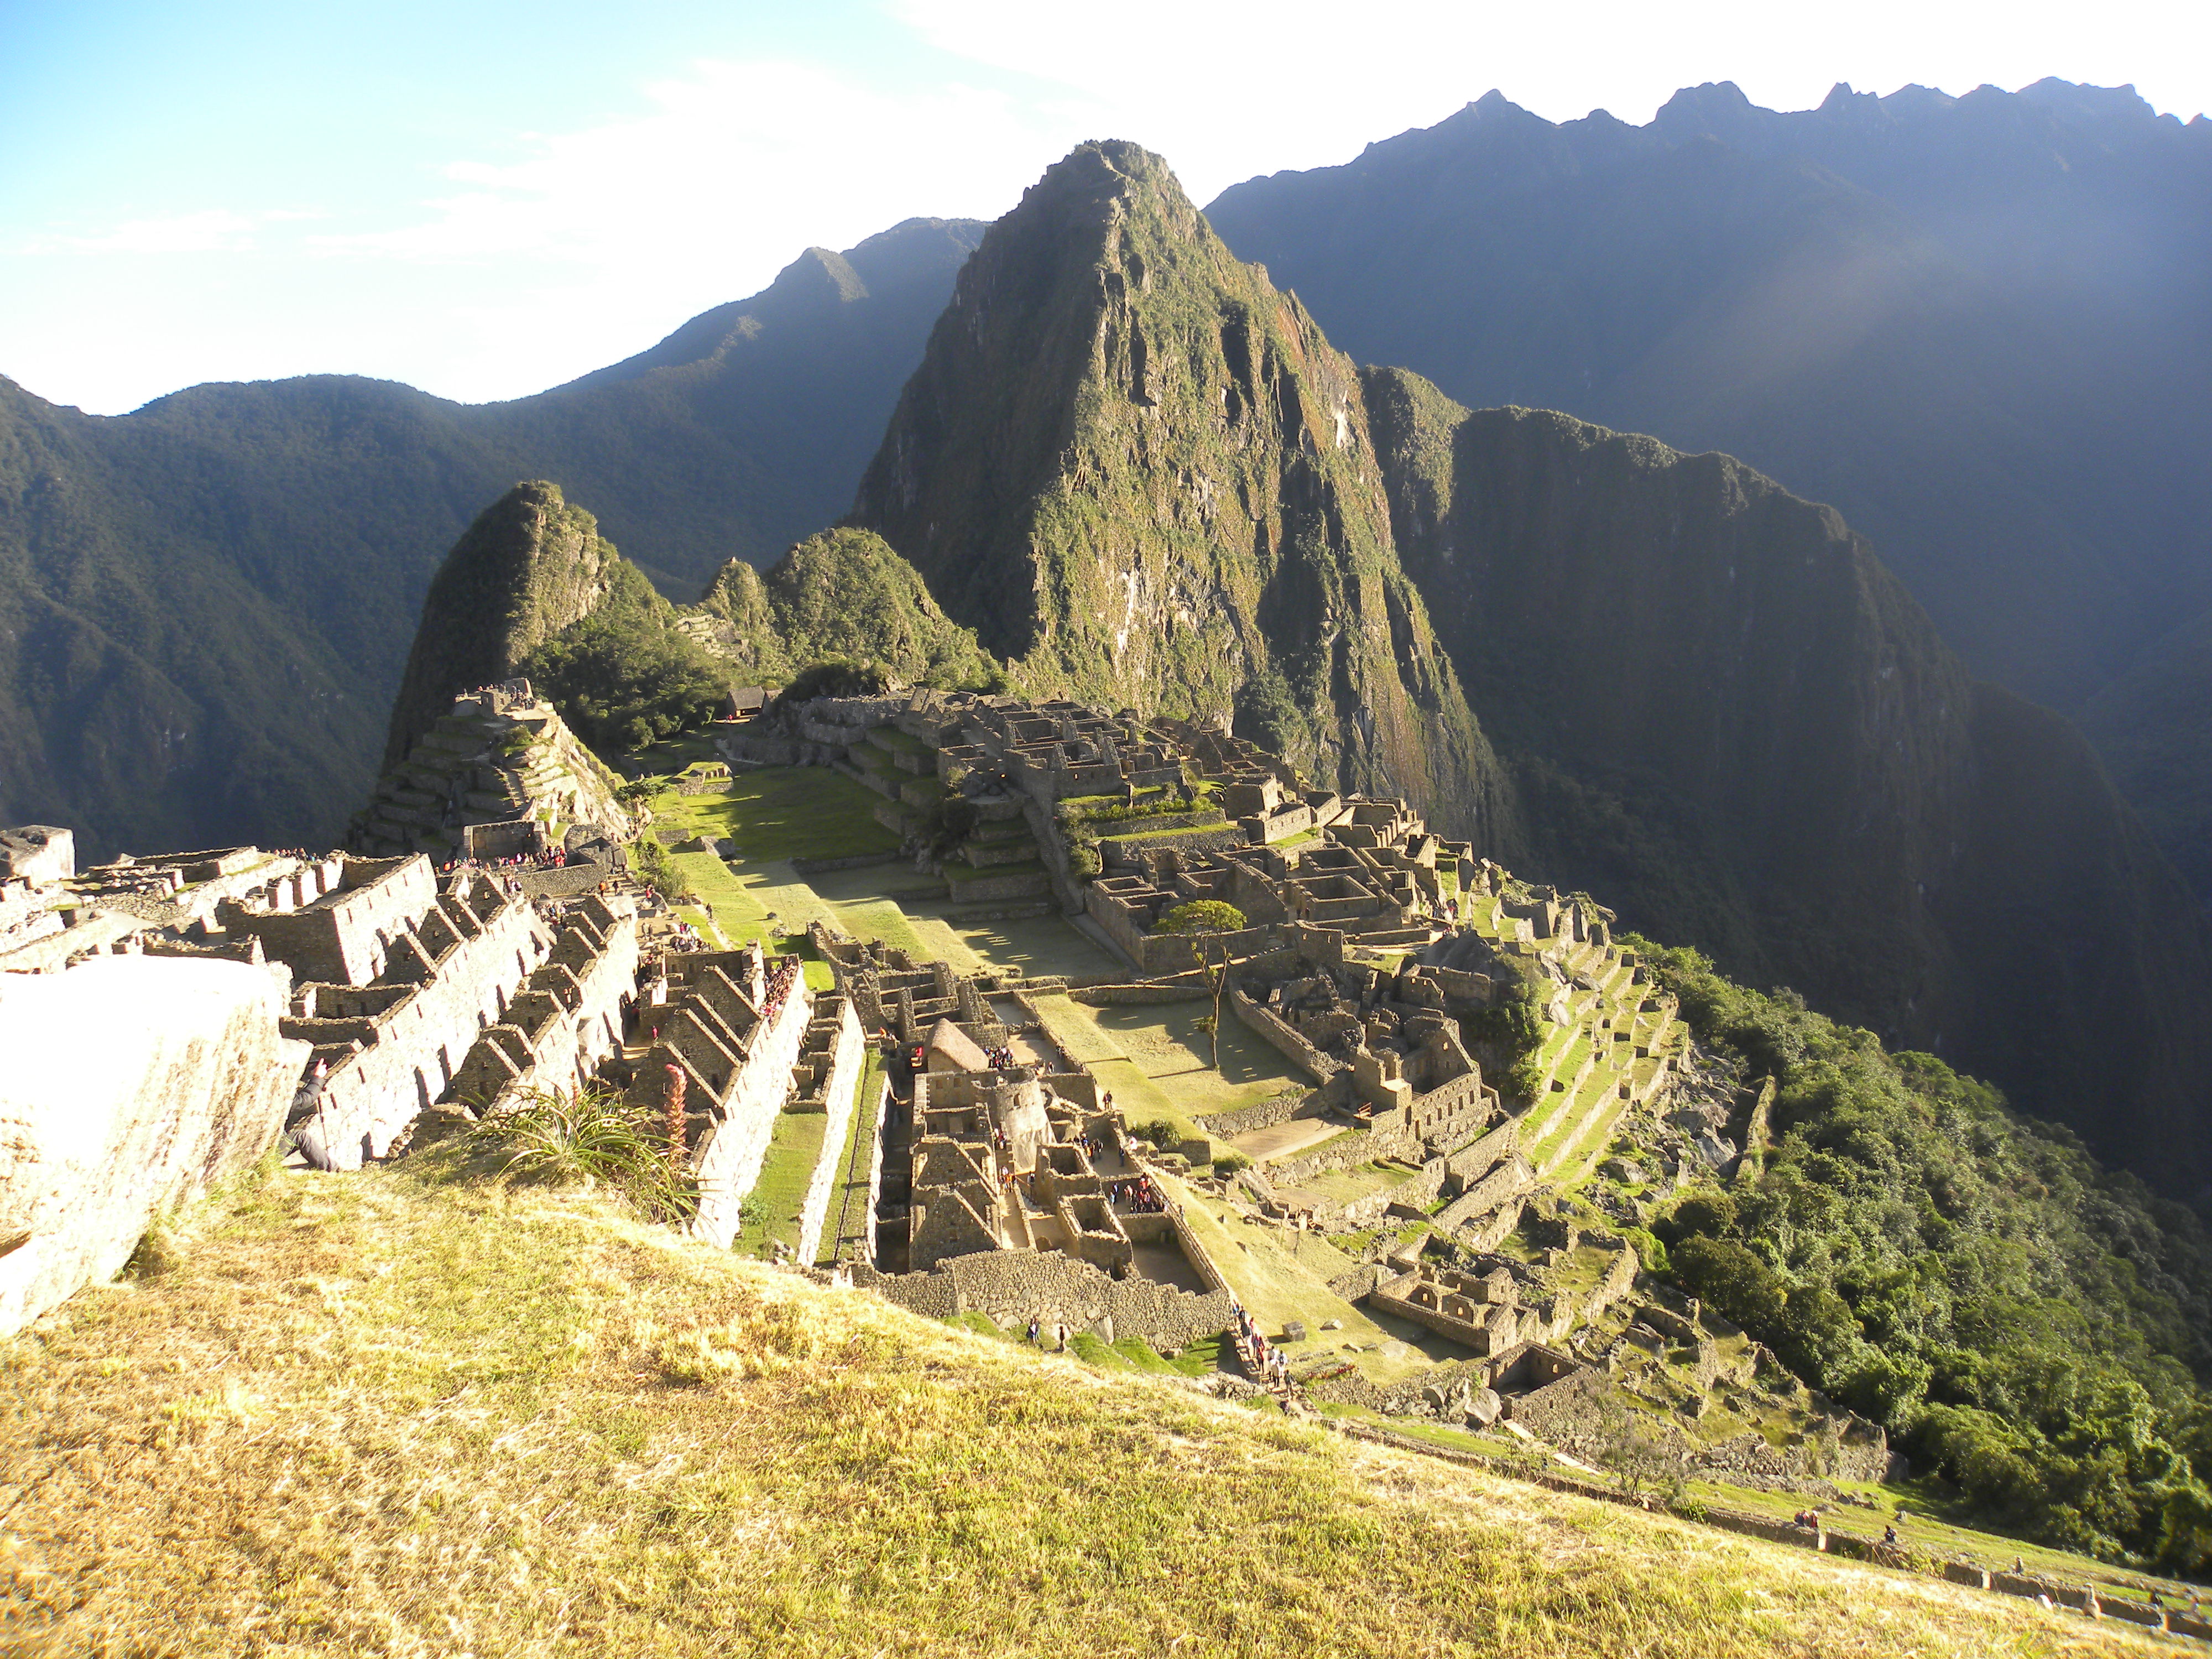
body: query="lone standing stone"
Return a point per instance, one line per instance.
(672, 1110)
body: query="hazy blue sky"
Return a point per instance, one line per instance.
(483, 197)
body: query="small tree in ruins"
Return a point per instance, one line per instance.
(1207, 922)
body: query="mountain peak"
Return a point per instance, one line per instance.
(529, 566)
(1716, 106)
(1134, 466)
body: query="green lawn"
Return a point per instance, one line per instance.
(780, 813)
(771, 1212)
(1163, 1041)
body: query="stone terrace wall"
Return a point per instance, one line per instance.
(413, 1049)
(728, 1162)
(1012, 1287)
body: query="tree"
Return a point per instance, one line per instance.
(1207, 921)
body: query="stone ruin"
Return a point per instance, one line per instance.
(499, 775)
(358, 994)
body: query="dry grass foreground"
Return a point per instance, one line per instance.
(374, 1414)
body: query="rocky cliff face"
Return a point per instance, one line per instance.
(1137, 469)
(1727, 717)
(529, 567)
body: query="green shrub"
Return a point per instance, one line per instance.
(663, 872)
(2032, 1330)
(837, 676)
(623, 678)
(1229, 1163)
(1650, 1252)
(1201, 916)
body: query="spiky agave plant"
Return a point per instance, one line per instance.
(593, 1138)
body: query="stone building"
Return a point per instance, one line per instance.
(415, 990)
(730, 1037)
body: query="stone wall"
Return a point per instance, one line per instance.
(728, 1161)
(1264, 1114)
(131, 1084)
(1509, 1181)
(1450, 1114)
(849, 1059)
(586, 984)
(412, 1047)
(1567, 1413)
(1012, 1287)
(1118, 996)
(1407, 1194)
(344, 937)
(1269, 1025)
(1472, 1162)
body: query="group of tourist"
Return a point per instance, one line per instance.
(1001, 1059)
(1809, 1519)
(1138, 1195)
(1272, 1368)
(558, 859)
(779, 985)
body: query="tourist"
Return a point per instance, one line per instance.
(1033, 1330)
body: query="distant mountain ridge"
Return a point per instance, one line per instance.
(1981, 326)
(208, 602)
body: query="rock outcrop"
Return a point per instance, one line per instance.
(132, 1085)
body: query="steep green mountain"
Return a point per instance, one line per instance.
(1980, 326)
(208, 602)
(529, 567)
(1139, 471)
(1146, 477)
(841, 594)
(532, 589)
(1726, 715)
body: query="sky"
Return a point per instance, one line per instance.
(483, 198)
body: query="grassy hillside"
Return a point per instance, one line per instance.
(411, 1411)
